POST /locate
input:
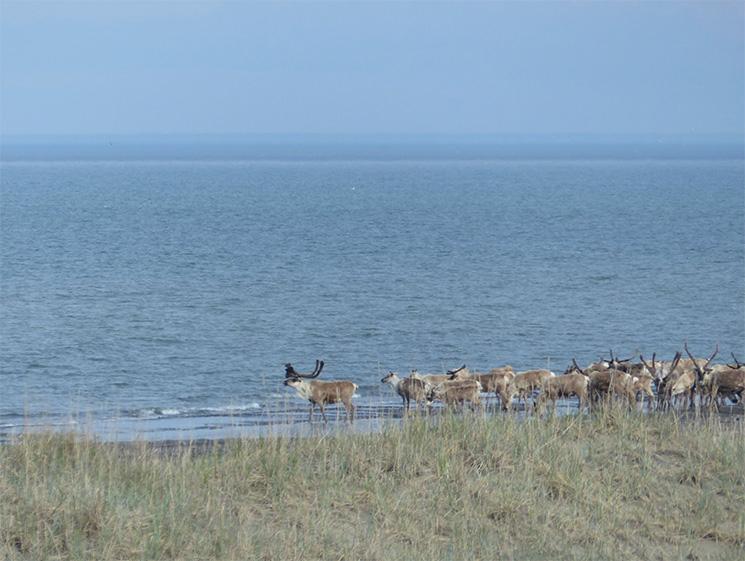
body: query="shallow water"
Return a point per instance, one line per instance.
(165, 296)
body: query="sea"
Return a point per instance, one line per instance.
(159, 295)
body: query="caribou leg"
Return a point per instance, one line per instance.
(714, 398)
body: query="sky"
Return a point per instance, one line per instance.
(78, 68)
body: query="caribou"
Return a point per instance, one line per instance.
(609, 383)
(644, 378)
(496, 380)
(457, 392)
(615, 378)
(566, 385)
(666, 377)
(694, 377)
(522, 385)
(487, 380)
(410, 389)
(320, 393)
(727, 380)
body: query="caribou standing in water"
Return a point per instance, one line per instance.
(321, 393)
(410, 389)
(728, 382)
(721, 380)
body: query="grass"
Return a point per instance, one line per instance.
(611, 486)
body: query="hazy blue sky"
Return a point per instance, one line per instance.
(220, 67)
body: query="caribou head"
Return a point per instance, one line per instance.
(700, 371)
(388, 377)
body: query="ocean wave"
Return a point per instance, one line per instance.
(165, 412)
(12, 420)
(41, 422)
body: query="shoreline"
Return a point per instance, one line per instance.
(204, 433)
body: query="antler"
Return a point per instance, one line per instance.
(644, 362)
(674, 363)
(320, 367)
(676, 360)
(615, 360)
(738, 364)
(451, 372)
(711, 357)
(701, 370)
(574, 361)
(685, 346)
(290, 372)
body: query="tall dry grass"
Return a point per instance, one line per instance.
(611, 486)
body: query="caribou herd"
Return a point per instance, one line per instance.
(662, 384)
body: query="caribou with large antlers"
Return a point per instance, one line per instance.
(700, 371)
(609, 383)
(321, 393)
(727, 380)
(673, 383)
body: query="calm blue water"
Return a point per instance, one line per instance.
(173, 290)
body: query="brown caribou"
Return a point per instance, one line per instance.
(409, 389)
(566, 385)
(609, 383)
(522, 385)
(457, 392)
(320, 393)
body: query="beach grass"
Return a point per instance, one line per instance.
(614, 485)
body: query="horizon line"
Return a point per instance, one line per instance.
(687, 137)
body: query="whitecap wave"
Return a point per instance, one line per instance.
(231, 408)
(164, 412)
